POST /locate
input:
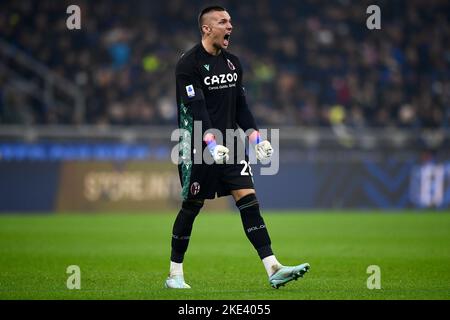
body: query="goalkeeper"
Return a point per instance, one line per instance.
(209, 89)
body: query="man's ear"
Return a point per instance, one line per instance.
(206, 29)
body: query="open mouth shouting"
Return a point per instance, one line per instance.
(226, 39)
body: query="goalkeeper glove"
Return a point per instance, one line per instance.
(263, 149)
(218, 152)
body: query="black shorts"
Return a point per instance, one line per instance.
(203, 181)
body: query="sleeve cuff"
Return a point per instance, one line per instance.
(255, 137)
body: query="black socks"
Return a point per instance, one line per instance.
(254, 225)
(182, 228)
(252, 221)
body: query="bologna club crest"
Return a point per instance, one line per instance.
(230, 65)
(195, 188)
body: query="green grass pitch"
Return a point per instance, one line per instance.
(127, 256)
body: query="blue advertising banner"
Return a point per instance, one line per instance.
(28, 186)
(362, 185)
(117, 178)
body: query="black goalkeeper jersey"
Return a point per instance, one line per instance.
(216, 79)
(209, 89)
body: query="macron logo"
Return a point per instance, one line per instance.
(190, 91)
(206, 66)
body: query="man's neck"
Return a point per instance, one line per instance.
(210, 48)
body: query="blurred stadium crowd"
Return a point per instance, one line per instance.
(310, 62)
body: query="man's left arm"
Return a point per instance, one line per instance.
(244, 117)
(246, 121)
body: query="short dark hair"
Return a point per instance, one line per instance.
(205, 11)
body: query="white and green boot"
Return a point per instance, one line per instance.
(176, 282)
(286, 274)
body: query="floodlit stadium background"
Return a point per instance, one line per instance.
(86, 118)
(86, 115)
